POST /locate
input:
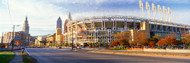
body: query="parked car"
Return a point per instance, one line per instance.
(22, 48)
(59, 47)
(79, 47)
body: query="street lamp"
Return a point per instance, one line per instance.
(13, 36)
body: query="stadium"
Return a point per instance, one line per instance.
(103, 28)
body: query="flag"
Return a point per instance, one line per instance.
(164, 9)
(140, 4)
(153, 7)
(159, 8)
(147, 6)
(169, 11)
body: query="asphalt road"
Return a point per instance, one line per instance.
(65, 55)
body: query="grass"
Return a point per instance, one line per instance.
(118, 49)
(6, 57)
(27, 58)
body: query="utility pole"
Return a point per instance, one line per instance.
(28, 39)
(13, 38)
(2, 38)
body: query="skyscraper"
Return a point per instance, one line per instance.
(59, 26)
(66, 21)
(65, 26)
(69, 17)
(59, 36)
(26, 26)
(26, 34)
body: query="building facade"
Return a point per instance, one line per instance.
(50, 39)
(59, 31)
(21, 37)
(103, 28)
(40, 40)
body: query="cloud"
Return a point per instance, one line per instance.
(92, 1)
(41, 15)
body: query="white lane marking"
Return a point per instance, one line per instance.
(27, 52)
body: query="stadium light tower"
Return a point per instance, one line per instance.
(164, 11)
(159, 11)
(154, 10)
(148, 9)
(141, 7)
(170, 14)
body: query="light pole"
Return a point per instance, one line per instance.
(13, 36)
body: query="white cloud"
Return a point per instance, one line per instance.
(43, 14)
(40, 14)
(92, 1)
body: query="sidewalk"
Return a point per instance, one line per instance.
(135, 51)
(17, 58)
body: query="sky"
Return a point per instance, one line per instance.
(43, 14)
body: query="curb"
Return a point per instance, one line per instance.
(184, 56)
(27, 52)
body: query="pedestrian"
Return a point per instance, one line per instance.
(23, 50)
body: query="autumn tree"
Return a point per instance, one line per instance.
(114, 43)
(122, 38)
(168, 42)
(171, 41)
(186, 39)
(150, 42)
(121, 42)
(162, 42)
(124, 42)
(139, 38)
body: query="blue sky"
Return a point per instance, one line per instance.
(43, 14)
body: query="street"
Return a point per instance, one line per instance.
(65, 55)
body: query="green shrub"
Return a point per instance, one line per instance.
(188, 46)
(119, 48)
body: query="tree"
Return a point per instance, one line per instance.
(168, 41)
(150, 42)
(162, 43)
(124, 42)
(139, 39)
(145, 42)
(171, 41)
(186, 39)
(67, 44)
(114, 43)
(132, 43)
